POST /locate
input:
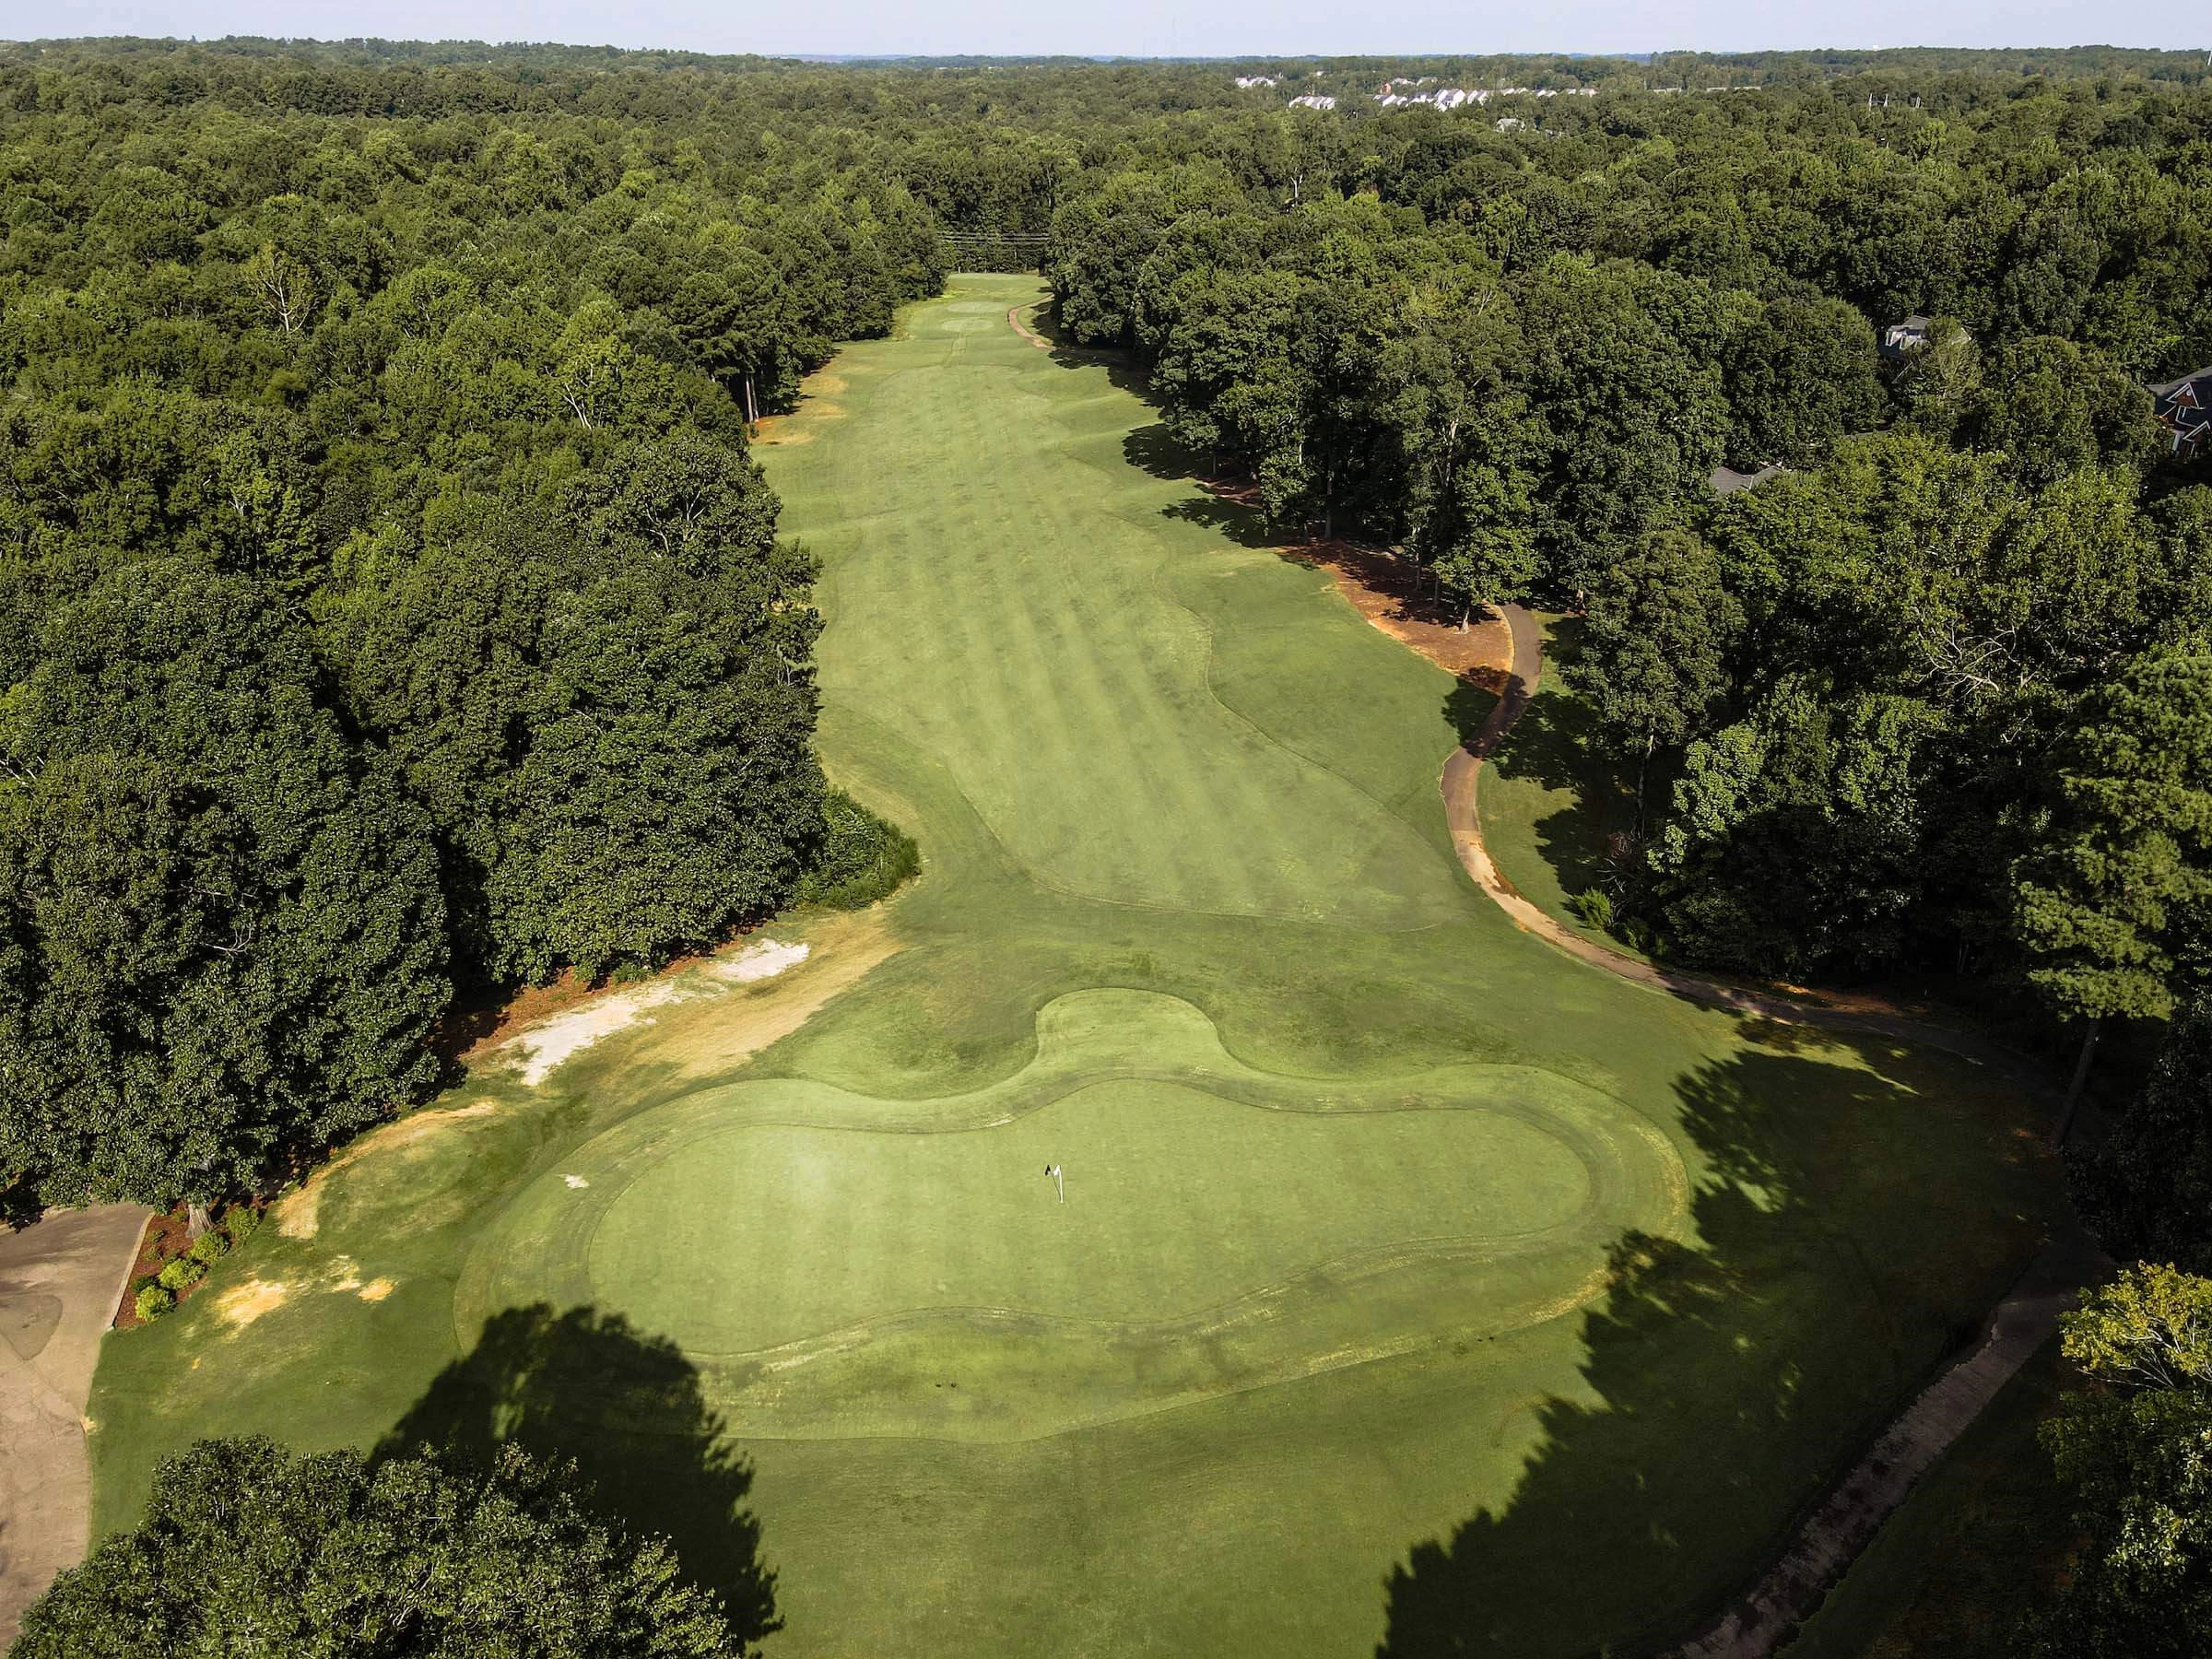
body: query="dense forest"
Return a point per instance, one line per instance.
(390, 613)
(389, 604)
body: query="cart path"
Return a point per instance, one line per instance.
(1767, 1615)
(1862, 1014)
(60, 1280)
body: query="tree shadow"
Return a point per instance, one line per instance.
(19, 1206)
(1155, 450)
(1850, 1235)
(1553, 743)
(626, 1409)
(1123, 368)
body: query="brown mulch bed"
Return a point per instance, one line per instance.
(165, 1236)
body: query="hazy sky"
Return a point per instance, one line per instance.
(1209, 28)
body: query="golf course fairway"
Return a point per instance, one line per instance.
(1405, 1285)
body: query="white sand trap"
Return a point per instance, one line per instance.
(760, 961)
(550, 1043)
(544, 1046)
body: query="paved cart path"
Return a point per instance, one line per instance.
(1768, 1614)
(59, 1282)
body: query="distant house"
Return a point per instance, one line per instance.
(2184, 408)
(1727, 480)
(1900, 340)
(1313, 100)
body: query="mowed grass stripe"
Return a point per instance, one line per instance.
(1602, 1425)
(1067, 689)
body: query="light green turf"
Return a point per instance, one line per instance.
(1392, 1238)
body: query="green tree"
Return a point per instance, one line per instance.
(2112, 908)
(246, 1549)
(1941, 381)
(221, 938)
(2134, 1450)
(2146, 1188)
(2055, 407)
(1798, 377)
(1797, 836)
(1653, 655)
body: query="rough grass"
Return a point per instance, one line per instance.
(863, 858)
(1415, 1286)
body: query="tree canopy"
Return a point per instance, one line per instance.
(390, 609)
(246, 1547)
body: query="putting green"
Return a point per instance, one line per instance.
(1180, 1196)
(1415, 1285)
(1204, 1198)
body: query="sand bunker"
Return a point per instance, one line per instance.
(546, 1046)
(760, 961)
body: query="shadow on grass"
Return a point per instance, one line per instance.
(1729, 1380)
(1553, 745)
(626, 1409)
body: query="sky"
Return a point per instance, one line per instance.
(1152, 28)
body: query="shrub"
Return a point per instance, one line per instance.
(861, 858)
(1594, 907)
(240, 1222)
(209, 1248)
(182, 1274)
(154, 1301)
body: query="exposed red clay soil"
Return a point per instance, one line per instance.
(1398, 597)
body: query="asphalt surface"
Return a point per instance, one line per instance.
(59, 1282)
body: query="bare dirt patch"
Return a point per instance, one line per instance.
(298, 1214)
(239, 1305)
(705, 1036)
(1393, 593)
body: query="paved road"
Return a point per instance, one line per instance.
(59, 1282)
